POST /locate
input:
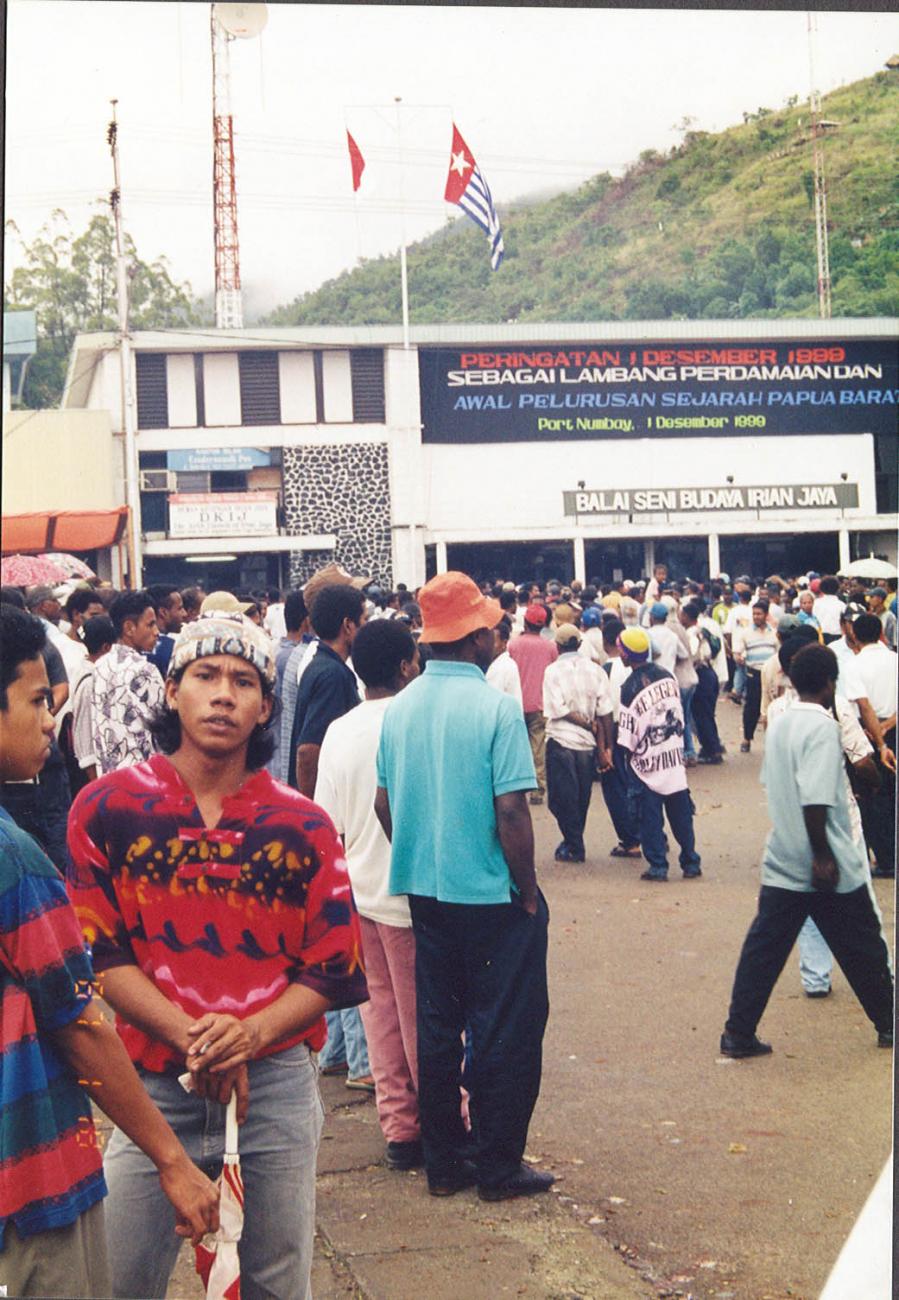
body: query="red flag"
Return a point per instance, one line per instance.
(357, 162)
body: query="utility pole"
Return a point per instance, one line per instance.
(129, 421)
(820, 185)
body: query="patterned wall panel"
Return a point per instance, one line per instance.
(343, 490)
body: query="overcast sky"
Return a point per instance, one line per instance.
(544, 98)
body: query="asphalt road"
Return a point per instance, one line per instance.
(725, 1178)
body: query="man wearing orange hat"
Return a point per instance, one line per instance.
(454, 765)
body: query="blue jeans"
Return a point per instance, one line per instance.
(815, 958)
(619, 799)
(278, 1147)
(686, 699)
(653, 841)
(346, 1042)
(739, 680)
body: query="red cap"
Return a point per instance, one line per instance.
(535, 615)
(452, 606)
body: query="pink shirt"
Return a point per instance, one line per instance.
(533, 654)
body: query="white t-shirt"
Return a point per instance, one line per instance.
(876, 667)
(666, 647)
(739, 617)
(345, 788)
(274, 621)
(503, 675)
(617, 673)
(827, 610)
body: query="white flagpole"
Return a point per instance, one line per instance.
(404, 279)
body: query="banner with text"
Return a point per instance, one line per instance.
(223, 514)
(802, 496)
(532, 393)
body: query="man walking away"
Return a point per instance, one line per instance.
(616, 790)
(98, 638)
(577, 706)
(533, 654)
(386, 658)
(453, 767)
(812, 865)
(296, 623)
(705, 645)
(876, 668)
(651, 728)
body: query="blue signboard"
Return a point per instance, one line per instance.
(209, 459)
(532, 392)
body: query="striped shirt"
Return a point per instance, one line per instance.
(50, 1166)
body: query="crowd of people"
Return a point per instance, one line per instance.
(284, 833)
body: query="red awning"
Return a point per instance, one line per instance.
(62, 530)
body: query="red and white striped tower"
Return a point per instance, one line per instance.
(228, 303)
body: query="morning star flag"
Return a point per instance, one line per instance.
(466, 186)
(357, 162)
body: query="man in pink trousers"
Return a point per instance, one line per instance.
(385, 657)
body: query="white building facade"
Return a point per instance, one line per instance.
(589, 450)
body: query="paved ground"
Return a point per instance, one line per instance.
(680, 1172)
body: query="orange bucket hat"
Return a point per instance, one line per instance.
(452, 606)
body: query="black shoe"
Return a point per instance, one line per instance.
(740, 1047)
(527, 1182)
(405, 1155)
(692, 873)
(880, 873)
(456, 1181)
(566, 854)
(818, 993)
(885, 1040)
(652, 874)
(711, 759)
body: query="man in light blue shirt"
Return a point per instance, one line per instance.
(811, 866)
(454, 765)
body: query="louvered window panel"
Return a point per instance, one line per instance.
(260, 397)
(193, 480)
(152, 390)
(367, 372)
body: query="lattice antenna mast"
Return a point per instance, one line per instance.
(820, 183)
(228, 302)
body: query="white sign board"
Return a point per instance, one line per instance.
(223, 514)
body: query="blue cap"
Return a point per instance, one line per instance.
(591, 617)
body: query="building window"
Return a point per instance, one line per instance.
(367, 370)
(152, 390)
(260, 398)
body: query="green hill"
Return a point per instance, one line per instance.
(722, 226)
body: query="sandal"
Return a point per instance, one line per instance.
(620, 851)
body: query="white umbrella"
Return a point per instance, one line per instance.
(216, 1256)
(870, 567)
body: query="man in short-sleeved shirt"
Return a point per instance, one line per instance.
(454, 764)
(812, 865)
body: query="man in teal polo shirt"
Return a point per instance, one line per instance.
(454, 766)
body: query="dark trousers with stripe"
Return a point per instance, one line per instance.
(569, 785)
(851, 929)
(479, 970)
(705, 699)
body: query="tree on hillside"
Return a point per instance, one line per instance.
(69, 281)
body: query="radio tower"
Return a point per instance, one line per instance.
(228, 304)
(820, 185)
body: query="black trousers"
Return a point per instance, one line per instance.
(752, 704)
(42, 808)
(569, 785)
(851, 929)
(705, 698)
(479, 970)
(878, 810)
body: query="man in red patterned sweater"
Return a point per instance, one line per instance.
(218, 908)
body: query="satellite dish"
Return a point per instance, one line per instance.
(241, 20)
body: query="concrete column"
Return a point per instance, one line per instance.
(580, 562)
(714, 555)
(845, 553)
(441, 557)
(649, 557)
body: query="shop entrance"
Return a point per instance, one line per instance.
(253, 571)
(788, 555)
(512, 561)
(686, 557)
(611, 561)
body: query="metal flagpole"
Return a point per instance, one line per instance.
(404, 278)
(132, 464)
